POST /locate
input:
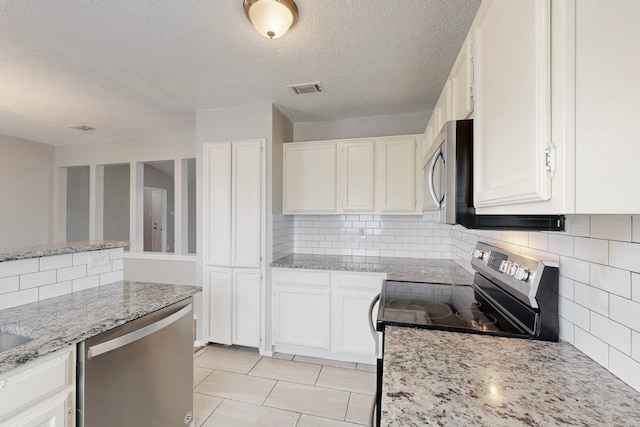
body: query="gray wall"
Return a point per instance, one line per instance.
(116, 202)
(78, 203)
(26, 192)
(362, 127)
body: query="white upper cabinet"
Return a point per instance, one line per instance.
(365, 175)
(311, 177)
(512, 102)
(357, 172)
(396, 175)
(607, 83)
(461, 83)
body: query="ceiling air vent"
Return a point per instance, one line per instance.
(80, 127)
(303, 88)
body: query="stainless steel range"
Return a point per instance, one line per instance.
(511, 296)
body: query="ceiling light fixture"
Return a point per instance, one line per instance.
(271, 18)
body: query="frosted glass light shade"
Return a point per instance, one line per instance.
(271, 18)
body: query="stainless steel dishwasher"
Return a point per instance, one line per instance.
(139, 374)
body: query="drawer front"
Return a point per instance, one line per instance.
(297, 277)
(365, 281)
(38, 379)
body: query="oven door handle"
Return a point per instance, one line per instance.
(432, 170)
(372, 327)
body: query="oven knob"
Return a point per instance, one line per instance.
(512, 269)
(522, 273)
(478, 253)
(504, 266)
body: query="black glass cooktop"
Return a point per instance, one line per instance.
(449, 307)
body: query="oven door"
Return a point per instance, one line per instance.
(434, 181)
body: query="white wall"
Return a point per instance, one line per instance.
(362, 127)
(26, 191)
(78, 204)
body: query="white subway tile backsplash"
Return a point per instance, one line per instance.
(635, 228)
(625, 311)
(18, 267)
(635, 287)
(611, 332)
(624, 255)
(99, 270)
(611, 279)
(592, 298)
(575, 313)
(55, 290)
(611, 227)
(566, 330)
(118, 264)
(111, 277)
(539, 241)
(561, 244)
(594, 250)
(81, 258)
(565, 288)
(574, 269)
(33, 280)
(85, 283)
(9, 284)
(625, 368)
(635, 345)
(70, 273)
(55, 262)
(577, 225)
(13, 299)
(591, 346)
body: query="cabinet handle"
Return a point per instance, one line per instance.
(432, 169)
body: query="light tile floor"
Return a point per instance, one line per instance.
(236, 387)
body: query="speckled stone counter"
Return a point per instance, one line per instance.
(405, 269)
(56, 323)
(453, 379)
(59, 249)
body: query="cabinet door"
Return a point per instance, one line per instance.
(246, 204)
(302, 309)
(427, 141)
(396, 175)
(461, 81)
(218, 298)
(57, 411)
(443, 107)
(352, 296)
(357, 176)
(607, 84)
(247, 310)
(310, 177)
(217, 204)
(512, 102)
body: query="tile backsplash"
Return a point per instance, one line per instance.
(34, 279)
(406, 236)
(599, 258)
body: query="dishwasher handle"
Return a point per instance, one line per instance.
(107, 346)
(371, 307)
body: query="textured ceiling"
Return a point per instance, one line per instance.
(135, 68)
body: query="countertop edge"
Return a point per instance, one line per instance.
(59, 249)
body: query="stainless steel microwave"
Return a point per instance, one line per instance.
(448, 185)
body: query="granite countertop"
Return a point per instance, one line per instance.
(59, 248)
(59, 322)
(453, 379)
(404, 269)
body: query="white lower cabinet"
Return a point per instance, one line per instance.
(324, 314)
(41, 393)
(352, 294)
(302, 308)
(233, 297)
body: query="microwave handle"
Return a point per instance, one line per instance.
(432, 170)
(372, 328)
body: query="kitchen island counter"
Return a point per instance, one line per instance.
(454, 379)
(59, 322)
(403, 269)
